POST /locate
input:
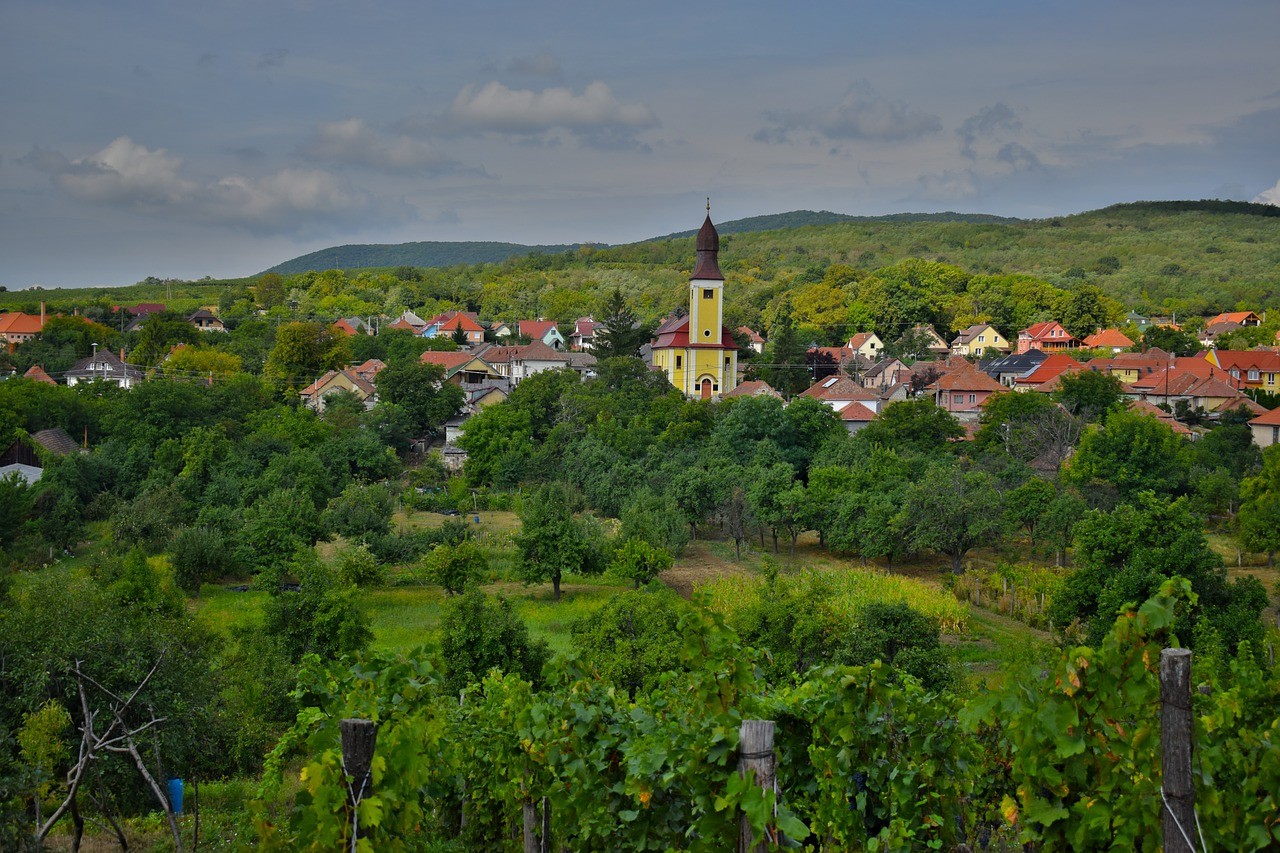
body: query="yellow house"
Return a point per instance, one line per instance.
(979, 338)
(697, 353)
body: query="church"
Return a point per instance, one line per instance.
(697, 353)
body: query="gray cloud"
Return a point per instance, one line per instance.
(1271, 196)
(987, 121)
(129, 176)
(863, 113)
(1018, 156)
(595, 116)
(543, 65)
(247, 154)
(354, 142)
(273, 58)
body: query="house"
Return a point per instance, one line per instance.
(839, 391)
(464, 368)
(204, 320)
(1112, 339)
(866, 344)
(544, 331)
(315, 395)
(1254, 369)
(885, 372)
(584, 333)
(1049, 336)
(1008, 369)
(697, 353)
(1209, 335)
(25, 457)
(1142, 407)
(104, 366)
(351, 326)
(963, 391)
(1129, 367)
(520, 362)
(449, 324)
(410, 322)
(17, 327)
(1214, 393)
(500, 330)
(1266, 428)
(752, 388)
(583, 362)
(855, 416)
(36, 374)
(934, 344)
(369, 370)
(754, 340)
(1048, 369)
(1238, 318)
(977, 339)
(1138, 321)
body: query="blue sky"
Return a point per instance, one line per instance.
(183, 139)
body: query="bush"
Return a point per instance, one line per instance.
(359, 567)
(479, 634)
(455, 566)
(632, 639)
(199, 555)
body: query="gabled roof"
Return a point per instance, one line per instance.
(967, 335)
(344, 325)
(56, 440)
(1142, 407)
(585, 327)
(752, 335)
(370, 368)
(1016, 363)
(860, 339)
(855, 411)
(752, 388)
(536, 329)
(1041, 331)
(1053, 365)
(404, 324)
(201, 314)
(838, 388)
(1237, 317)
(1268, 360)
(536, 351)
(18, 323)
(1108, 338)
(366, 388)
(36, 374)
(142, 309)
(105, 361)
(459, 320)
(1271, 418)
(962, 379)
(451, 361)
(881, 366)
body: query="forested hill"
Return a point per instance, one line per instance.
(422, 254)
(801, 218)
(446, 254)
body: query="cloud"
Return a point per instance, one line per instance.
(129, 176)
(863, 114)
(951, 185)
(1018, 156)
(542, 65)
(595, 115)
(1271, 196)
(247, 154)
(354, 142)
(273, 58)
(987, 121)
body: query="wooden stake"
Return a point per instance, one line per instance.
(359, 737)
(757, 760)
(1179, 802)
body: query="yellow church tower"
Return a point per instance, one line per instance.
(696, 352)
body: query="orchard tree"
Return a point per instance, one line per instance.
(639, 561)
(917, 425)
(1133, 452)
(304, 351)
(479, 634)
(1260, 507)
(553, 542)
(952, 510)
(456, 567)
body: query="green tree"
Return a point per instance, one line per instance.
(360, 513)
(952, 510)
(1027, 505)
(622, 333)
(1089, 394)
(322, 617)
(633, 640)
(1172, 341)
(1085, 310)
(904, 639)
(552, 542)
(783, 360)
(479, 634)
(456, 567)
(639, 561)
(917, 425)
(199, 555)
(1133, 452)
(303, 352)
(1260, 507)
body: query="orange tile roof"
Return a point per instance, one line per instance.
(1237, 317)
(1108, 338)
(855, 411)
(17, 323)
(446, 359)
(1271, 418)
(838, 388)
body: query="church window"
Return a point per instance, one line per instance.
(726, 361)
(677, 361)
(708, 293)
(706, 333)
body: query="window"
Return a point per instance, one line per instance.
(973, 398)
(726, 361)
(708, 293)
(1253, 375)
(982, 339)
(715, 387)
(677, 361)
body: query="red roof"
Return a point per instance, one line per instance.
(460, 320)
(1043, 332)
(859, 339)
(855, 411)
(1237, 317)
(1271, 418)
(1142, 407)
(838, 388)
(966, 380)
(751, 334)
(752, 388)
(1112, 338)
(1049, 368)
(446, 360)
(345, 327)
(17, 323)
(36, 374)
(1268, 360)
(536, 329)
(674, 334)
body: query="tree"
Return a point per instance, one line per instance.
(656, 520)
(622, 333)
(905, 639)
(199, 555)
(1028, 504)
(1133, 452)
(639, 561)
(783, 360)
(1172, 341)
(1086, 310)
(552, 542)
(321, 617)
(455, 567)
(951, 510)
(633, 639)
(1089, 394)
(917, 425)
(304, 351)
(479, 634)
(1260, 507)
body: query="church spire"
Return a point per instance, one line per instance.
(708, 249)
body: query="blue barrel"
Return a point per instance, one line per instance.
(477, 519)
(175, 795)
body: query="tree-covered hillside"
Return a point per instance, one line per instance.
(421, 254)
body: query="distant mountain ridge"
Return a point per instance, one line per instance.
(447, 254)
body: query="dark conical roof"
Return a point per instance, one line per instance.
(708, 239)
(708, 247)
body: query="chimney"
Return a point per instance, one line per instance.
(122, 353)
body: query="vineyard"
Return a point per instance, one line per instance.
(1066, 758)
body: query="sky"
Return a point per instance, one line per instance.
(182, 139)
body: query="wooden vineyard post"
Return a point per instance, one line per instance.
(1177, 788)
(359, 738)
(755, 759)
